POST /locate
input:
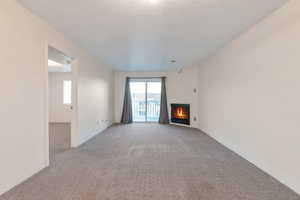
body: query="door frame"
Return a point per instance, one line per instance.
(146, 81)
(74, 118)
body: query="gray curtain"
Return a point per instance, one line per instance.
(127, 105)
(164, 115)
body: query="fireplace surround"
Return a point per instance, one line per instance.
(180, 113)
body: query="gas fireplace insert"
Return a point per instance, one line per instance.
(180, 113)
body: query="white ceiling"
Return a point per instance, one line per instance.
(141, 35)
(58, 67)
(58, 61)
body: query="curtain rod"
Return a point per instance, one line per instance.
(147, 77)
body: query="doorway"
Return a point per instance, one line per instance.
(60, 101)
(145, 95)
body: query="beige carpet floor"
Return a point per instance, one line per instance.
(150, 161)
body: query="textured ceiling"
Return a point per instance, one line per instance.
(145, 35)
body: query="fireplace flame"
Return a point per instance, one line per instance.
(180, 113)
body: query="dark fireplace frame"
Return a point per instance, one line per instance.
(177, 120)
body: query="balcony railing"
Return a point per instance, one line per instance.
(139, 110)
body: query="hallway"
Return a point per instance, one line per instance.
(149, 161)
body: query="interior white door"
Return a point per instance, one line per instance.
(60, 100)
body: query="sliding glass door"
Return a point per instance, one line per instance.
(145, 94)
(153, 101)
(138, 97)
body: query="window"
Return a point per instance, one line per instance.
(67, 92)
(145, 95)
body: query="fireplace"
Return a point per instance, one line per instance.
(180, 113)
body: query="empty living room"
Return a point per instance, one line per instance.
(150, 100)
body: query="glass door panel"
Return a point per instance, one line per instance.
(145, 95)
(153, 101)
(138, 96)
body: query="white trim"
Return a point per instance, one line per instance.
(47, 152)
(74, 120)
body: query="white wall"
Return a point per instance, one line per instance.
(23, 85)
(95, 100)
(180, 89)
(250, 95)
(58, 112)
